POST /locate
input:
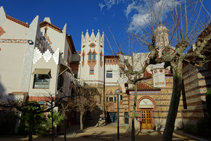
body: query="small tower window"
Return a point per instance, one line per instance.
(94, 56)
(90, 56)
(100, 57)
(83, 57)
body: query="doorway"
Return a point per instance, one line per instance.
(146, 122)
(126, 117)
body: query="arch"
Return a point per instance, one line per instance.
(111, 94)
(146, 97)
(147, 110)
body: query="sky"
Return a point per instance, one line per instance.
(113, 17)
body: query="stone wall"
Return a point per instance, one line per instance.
(195, 91)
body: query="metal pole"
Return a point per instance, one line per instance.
(52, 119)
(117, 94)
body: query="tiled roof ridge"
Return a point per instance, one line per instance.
(50, 24)
(147, 85)
(17, 21)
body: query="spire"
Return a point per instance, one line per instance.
(102, 38)
(92, 36)
(87, 36)
(2, 15)
(82, 38)
(65, 28)
(98, 36)
(47, 19)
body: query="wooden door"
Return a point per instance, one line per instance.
(146, 120)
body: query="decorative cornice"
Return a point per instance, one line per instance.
(13, 41)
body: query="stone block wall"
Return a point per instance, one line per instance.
(195, 91)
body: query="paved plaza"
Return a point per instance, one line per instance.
(107, 133)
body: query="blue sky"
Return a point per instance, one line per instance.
(80, 15)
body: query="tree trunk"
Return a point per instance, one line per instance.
(81, 121)
(64, 127)
(31, 125)
(133, 114)
(175, 99)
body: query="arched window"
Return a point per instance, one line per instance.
(106, 98)
(111, 97)
(94, 56)
(83, 57)
(90, 56)
(115, 98)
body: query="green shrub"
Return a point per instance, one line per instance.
(208, 101)
(192, 129)
(24, 126)
(46, 125)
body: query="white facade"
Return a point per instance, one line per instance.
(27, 48)
(91, 67)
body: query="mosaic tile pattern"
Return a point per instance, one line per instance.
(13, 41)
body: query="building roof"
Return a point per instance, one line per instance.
(44, 23)
(144, 86)
(71, 44)
(111, 56)
(17, 21)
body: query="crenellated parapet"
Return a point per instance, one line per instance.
(97, 40)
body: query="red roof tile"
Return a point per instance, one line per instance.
(17, 21)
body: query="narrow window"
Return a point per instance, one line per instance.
(94, 56)
(90, 56)
(115, 99)
(83, 57)
(120, 97)
(100, 57)
(111, 97)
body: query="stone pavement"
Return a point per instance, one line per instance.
(106, 133)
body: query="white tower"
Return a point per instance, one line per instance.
(161, 33)
(92, 59)
(161, 38)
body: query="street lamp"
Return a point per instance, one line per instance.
(117, 92)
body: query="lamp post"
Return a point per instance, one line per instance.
(117, 92)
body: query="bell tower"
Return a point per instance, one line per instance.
(161, 36)
(92, 59)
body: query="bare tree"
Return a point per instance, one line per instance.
(187, 21)
(161, 24)
(85, 101)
